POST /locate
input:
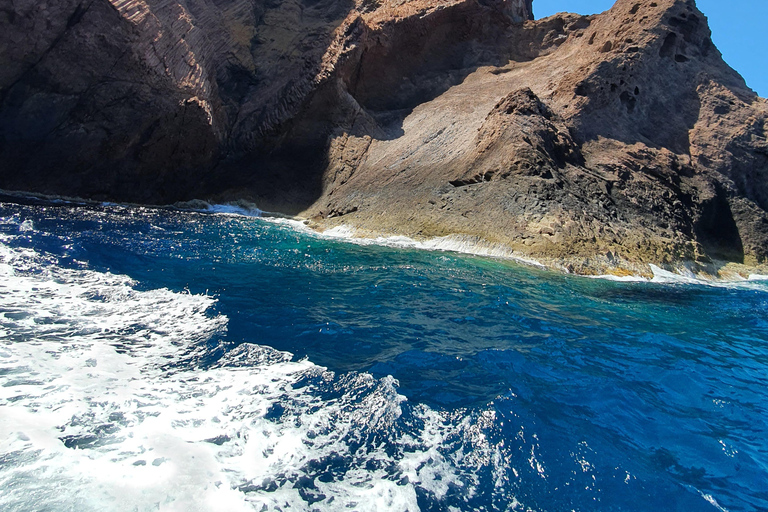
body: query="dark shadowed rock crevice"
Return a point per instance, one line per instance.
(597, 143)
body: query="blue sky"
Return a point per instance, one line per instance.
(738, 29)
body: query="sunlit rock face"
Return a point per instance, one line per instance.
(596, 142)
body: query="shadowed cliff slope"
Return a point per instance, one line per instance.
(594, 143)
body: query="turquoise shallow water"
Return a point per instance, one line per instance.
(156, 359)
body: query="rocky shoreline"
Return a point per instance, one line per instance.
(598, 145)
(606, 266)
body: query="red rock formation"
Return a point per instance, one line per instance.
(591, 142)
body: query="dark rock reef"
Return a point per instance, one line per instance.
(596, 144)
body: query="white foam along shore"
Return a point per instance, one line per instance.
(684, 275)
(450, 243)
(477, 247)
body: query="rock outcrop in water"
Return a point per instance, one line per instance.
(594, 143)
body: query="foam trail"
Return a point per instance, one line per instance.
(104, 408)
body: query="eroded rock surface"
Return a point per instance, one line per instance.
(595, 143)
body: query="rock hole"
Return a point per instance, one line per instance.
(687, 25)
(681, 58)
(592, 38)
(668, 47)
(635, 8)
(637, 91)
(722, 110)
(614, 87)
(654, 4)
(606, 47)
(581, 90)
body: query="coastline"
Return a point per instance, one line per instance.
(596, 267)
(447, 126)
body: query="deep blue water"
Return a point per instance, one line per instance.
(414, 379)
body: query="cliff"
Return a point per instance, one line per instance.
(594, 143)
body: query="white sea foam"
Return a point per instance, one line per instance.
(687, 277)
(230, 209)
(476, 246)
(237, 208)
(621, 279)
(683, 275)
(712, 501)
(103, 407)
(27, 225)
(340, 232)
(451, 243)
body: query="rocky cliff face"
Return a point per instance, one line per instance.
(595, 143)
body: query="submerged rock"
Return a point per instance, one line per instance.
(593, 143)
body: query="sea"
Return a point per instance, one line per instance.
(223, 360)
